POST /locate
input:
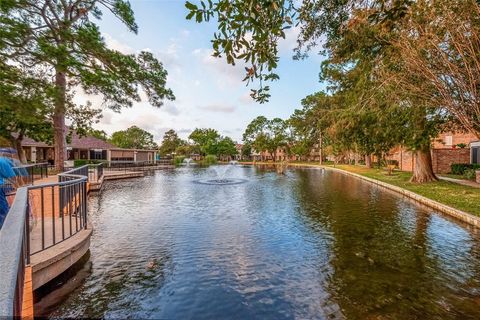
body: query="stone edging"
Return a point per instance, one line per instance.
(458, 214)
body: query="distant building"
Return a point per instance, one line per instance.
(239, 155)
(447, 148)
(86, 148)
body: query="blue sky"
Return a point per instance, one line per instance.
(209, 93)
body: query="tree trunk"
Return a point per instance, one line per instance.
(60, 143)
(320, 149)
(368, 161)
(17, 143)
(423, 170)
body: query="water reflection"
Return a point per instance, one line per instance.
(308, 244)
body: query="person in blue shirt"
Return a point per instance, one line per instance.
(6, 173)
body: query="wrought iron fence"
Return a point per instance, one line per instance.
(25, 175)
(134, 165)
(41, 217)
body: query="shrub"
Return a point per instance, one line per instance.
(178, 160)
(469, 174)
(80, 162)
(460, 168)
(462, 145)
(209, 159)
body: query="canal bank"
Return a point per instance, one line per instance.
(453, 192)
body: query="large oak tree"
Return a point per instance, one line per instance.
(62, 38)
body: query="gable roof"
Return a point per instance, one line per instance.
(77, 142)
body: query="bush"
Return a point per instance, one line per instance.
(80, 162)
(178, 160)
(469, 174)
(460, 168)
(209, 159)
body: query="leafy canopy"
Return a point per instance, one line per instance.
(61, 36)
(133, 138)
(170, 143)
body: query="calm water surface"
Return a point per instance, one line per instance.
(310, 244)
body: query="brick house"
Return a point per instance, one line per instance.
(85, 148)
(447, 148)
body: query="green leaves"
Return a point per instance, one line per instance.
(211, 143)
(133, 138)
(171, 142)
(248, 31)
(59, 36)
(266, 135)
(123, 11)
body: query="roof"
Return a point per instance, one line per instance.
(77, 142)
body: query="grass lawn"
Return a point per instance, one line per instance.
(454, 176)
(458, 196)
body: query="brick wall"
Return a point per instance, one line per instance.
(443, 158)
(441, 141)
(403, 157)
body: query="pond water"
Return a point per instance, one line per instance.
(308, 244)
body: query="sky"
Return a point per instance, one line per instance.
(209, 92)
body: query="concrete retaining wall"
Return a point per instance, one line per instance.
(458, 214)
(50, 263)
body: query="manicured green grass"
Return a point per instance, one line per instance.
(458, 196)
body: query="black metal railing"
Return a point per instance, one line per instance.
(41, 217)
(25, 175)
(134, 165)
(95, 172)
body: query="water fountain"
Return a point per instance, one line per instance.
(219, 176)
(233, 162)
(187, 161)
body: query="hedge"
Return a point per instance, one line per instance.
(460, 168)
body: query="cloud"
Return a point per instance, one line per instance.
(171, 109)
(169, 56)
(286, 46)
(224, 108)
(246, 98)
(225, 74)
(115, 44)
(106, 117)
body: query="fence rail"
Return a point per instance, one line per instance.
(131, 165)
(25, 175)
(41, 217)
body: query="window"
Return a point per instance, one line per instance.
(98, 154)
(448, 140)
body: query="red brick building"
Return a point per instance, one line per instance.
(448, 148)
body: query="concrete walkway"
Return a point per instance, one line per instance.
(460, 181)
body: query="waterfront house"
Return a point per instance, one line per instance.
(85, 148)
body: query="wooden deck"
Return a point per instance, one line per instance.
(57, 224)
